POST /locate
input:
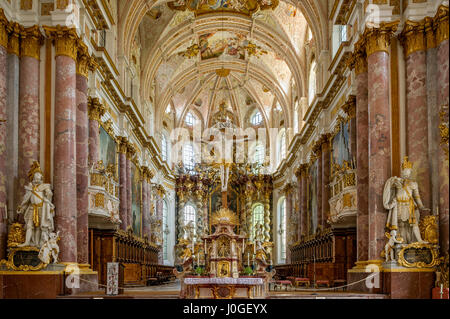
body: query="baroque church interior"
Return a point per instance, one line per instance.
(218, 149)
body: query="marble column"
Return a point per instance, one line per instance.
(29, 117)
(362, 156)
(303, 199)
(12, 144)
(3, 119)
(123, 183)
(145, 203)
(377, 47)
(65, 163)
(321, 218)
(130, 154)
(442, 28)
(159, 212)
(413, 40)
(95, 110)
(82, 153)
(325, 176)
(288, 213)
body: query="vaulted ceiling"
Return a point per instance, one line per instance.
(193, 61)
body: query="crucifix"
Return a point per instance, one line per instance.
(224, 177)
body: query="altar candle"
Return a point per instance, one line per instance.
(205, 246)
(442, 290)
(248, 259)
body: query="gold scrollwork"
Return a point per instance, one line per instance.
(420, 264)
(99, 200)
(10, 262)
(16, 235)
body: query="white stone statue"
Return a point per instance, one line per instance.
(401, 197)
(389, 247)
(37, 208)
(50, 249)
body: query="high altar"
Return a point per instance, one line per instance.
(223, 251)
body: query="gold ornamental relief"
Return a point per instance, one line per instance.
(66, 41)
(31, 41)
(441, 24)
(16, 235)
(413, 37)
(3, 29)
(433, 253)
(379, 39)
(429, 230)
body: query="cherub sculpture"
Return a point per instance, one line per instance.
(50, 249)
(389, 247)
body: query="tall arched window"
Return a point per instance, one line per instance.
(165, 229)
(282, 228)
(256, 119)
(259, 154)
(164, 148)
(257, 217)
(312, 82)
(189, 214)
(188, 157)
(189, 120)
(281, 146)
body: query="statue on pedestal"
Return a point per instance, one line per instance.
(401, 197)
(37, 208)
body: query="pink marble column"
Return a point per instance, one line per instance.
(303, 203)
(417, 121)
(325, 177)
(3, 117)
(379, 148)
(159, 214)
(29, 117)
(145, 209)
(82, 149)
(129, 195)
(289, 211)
(65, 188)
(123, 206)
(321, 218)
(96, 111)
(362, 163)
(299, 204)
(443, 99)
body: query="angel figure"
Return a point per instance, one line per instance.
(389, 248)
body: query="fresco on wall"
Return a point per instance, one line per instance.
(341, 146)
(136, 200)
(228, 44)
(107, 148)
(312, 197)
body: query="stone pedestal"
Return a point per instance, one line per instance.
(411, 283)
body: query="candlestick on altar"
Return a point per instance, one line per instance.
(248, 259)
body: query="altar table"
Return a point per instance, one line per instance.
(224, 288)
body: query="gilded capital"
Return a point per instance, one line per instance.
(413, 37)
(379, 39)
(95, 109)
(131, 150)
(441, 24)
(83, 60)
(14, 30)
(350, 107)
(31, 41)
(430, 34)
(147, 173)
(358, 60)
(122, 142)
(3, 30)
(66, 41)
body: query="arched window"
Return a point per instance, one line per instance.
(188, 157)
(259, 154)
(282, 228)
(257, 217)
(164, 148)
(282, 146)
(256, 119)
(189, 215)
(312, 82)
(165, 229)
(189, 120)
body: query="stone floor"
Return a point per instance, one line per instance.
(171, 291)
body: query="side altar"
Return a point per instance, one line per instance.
(223, 255)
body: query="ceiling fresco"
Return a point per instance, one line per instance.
(198, 54)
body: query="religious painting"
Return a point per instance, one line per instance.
(341, 146)
(223, 43)
(136, 200)
(246, 7)
(312, 197)
(107, 148)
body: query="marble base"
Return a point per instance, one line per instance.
(408, 284)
